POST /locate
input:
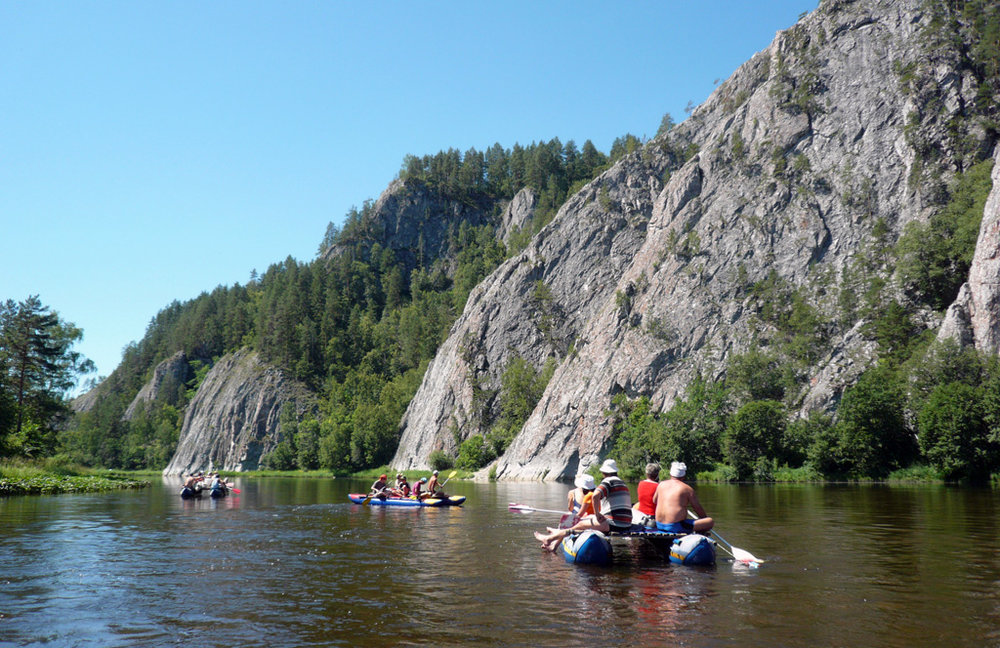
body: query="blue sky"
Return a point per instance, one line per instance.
(150, 151)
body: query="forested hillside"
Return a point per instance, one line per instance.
(357, 326)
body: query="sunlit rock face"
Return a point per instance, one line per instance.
(232, 421)
(796, 168)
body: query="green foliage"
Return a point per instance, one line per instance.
(474, 453)
(37, 367)
(934, 259)
(691, 431)
(440, 460)
(872, 436)
(953, 433)
(521, 387)
(755, 435)
(756, 375)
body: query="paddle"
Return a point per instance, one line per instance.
(566, 520)
(740, 555)
(453, 473)
(522, 508)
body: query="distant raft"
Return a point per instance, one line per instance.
(454, 500)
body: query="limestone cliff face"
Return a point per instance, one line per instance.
(233, 419)
(788, 168)
(168, 377)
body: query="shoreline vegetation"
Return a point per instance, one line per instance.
(52, 475)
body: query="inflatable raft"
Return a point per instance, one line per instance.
(454, 500)
(595, 548)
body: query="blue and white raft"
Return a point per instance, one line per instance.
(595, 548)
(587, 548)
(693, 549)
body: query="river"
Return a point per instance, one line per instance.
(292, 563)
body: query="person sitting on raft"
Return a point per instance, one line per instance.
(402, 487)
(644, 491)
(418, 489)
(433, 487)
(580, 500)
(673, 498)
(612, 505)
(218, 484)
(380, 487)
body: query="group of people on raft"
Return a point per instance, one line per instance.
(421, 489)
(197, 482)
(608, 507)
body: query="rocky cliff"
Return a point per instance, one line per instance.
(815, 152)
(974, 318)
(233, 419)
(414, 221)
(168, 378)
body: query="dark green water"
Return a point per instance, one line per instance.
(293, 563)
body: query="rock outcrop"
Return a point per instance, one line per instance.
(974, 318)
(517, 214)
(169, 377)
(233, 419)
(784, 176)
(414, 222)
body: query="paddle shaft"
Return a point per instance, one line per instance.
(529, 509)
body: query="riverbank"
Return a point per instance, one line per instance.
(50, 476)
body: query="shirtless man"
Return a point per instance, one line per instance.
(673, 498)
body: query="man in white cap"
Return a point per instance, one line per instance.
(612, 505)
(673, 498)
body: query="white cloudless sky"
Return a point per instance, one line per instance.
(151, 151)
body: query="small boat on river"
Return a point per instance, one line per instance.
(196, 492)
(454, 500)
(595, 548)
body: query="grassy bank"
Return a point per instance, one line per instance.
(48, 476)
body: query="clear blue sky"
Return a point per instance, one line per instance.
(150, 151)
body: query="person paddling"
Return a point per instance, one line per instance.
(433, 487)
(379, 487)
(673, 498)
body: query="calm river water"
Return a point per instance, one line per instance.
(293, 563)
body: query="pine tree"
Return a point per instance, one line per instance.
(39, 367)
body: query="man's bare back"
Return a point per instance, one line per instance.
(672, 499)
